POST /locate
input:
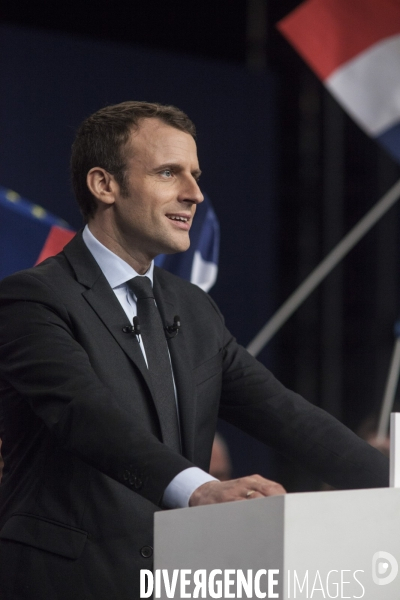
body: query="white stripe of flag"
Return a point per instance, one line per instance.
(354, 47)
(368, 86)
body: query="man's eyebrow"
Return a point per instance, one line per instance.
(177, 167)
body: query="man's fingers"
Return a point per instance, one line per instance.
(265, 487)
(252, 494)
(245, 488)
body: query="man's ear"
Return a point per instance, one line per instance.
(102, 185)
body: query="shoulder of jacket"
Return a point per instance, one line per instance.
(47, 274)
(167, 278)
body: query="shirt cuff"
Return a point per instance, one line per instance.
(179, 490)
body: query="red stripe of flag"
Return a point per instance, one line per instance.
(328, 33)
(57, 238)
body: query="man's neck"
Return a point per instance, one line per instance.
(119, 246)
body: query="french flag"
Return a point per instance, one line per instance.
(354, 47)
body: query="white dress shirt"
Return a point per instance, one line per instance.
(118, 272)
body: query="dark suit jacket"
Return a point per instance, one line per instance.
(85, 466)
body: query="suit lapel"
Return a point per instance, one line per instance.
(168, 305)
(101, 298)
(103, 301)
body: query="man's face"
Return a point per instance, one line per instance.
(156, 213)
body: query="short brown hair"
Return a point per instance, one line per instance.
(100, 140)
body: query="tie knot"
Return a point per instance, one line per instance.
(141, 287)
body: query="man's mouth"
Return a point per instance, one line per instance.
(177, 218)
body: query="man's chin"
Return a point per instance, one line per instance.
(175, 250)
(176, 247)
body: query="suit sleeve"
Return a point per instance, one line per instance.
(256, 402)
(43, 364)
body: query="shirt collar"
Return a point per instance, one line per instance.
(115, 269)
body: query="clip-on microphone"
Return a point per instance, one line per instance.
(135, 328)
(173, 330)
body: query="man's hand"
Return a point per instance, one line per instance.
(245, 488)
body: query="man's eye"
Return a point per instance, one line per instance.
(166, 173)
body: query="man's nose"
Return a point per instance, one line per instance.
(192, 193)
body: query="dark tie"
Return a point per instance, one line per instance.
(159, 364)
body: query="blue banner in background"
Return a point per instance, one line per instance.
(25, 231)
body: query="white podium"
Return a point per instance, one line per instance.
(338, 544)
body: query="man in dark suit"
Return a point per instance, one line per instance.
(93, 442)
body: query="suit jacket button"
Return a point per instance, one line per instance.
(125, 475)
(137, 483)
(146, 551)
